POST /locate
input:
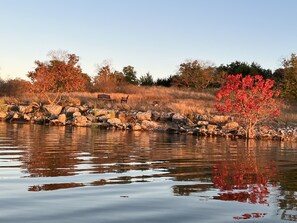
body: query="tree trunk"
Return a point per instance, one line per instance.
(250, 132)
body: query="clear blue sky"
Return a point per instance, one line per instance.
(152, 35)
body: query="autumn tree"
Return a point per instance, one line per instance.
(250, 99)
(52, 78)
(108, 80)
(290, 77)
(195, 74)
(130, 75)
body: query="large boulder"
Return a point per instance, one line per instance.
(76, 114)
(13, 108)
(156, 115)
(144, 116)
(103, 118)
(12, 116)
(22, 109)
(202, 123)
(27, 117)
(211, 129)
(26, 109)
(178, 118)
(114, 121)
(149, 125)
(71, 110)
(62, 119)
(81, 121)
(91, 118)
(39, 118)
(53, 109)
(166, 116)
(84, 108)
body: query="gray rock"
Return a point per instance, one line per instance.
(103, 118)
(13, 108)
(144, 116)
(62, 119)
(26, 109)
(188, 122)
(166, 116)
(76, 114)
(156, 115)
(211, 128)
(114, 121)
(81, 121)
(71, 110)
(91, 118)
(53, 109)
(178, 118)
(52, 117)
(15, 116)
(202, 123)
(83, 108)
(27, 117)
(22, 109)
(39, 119)
(149, 125)
(12, 116)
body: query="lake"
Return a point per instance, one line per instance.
(64, 174)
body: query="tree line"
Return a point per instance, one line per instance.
(62, 73)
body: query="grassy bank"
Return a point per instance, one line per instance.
(159, 99)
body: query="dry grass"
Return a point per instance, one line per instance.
(157, 98)
(163, 99)
(288, 114)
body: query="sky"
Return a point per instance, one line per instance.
(153, 36)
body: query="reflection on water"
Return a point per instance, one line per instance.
(245, 179)
(251, 181)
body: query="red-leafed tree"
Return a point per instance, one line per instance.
(51, 79)
(250, 99)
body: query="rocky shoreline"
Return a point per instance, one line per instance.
(174, 123)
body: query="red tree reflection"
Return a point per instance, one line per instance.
(244, 180)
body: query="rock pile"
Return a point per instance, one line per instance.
(85, 116)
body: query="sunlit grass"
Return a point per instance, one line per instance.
(288, 114)
(158, 99)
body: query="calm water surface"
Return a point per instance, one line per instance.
(64, 174)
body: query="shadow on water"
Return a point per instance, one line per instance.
(209, 168)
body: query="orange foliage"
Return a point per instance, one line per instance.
(56, 77)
